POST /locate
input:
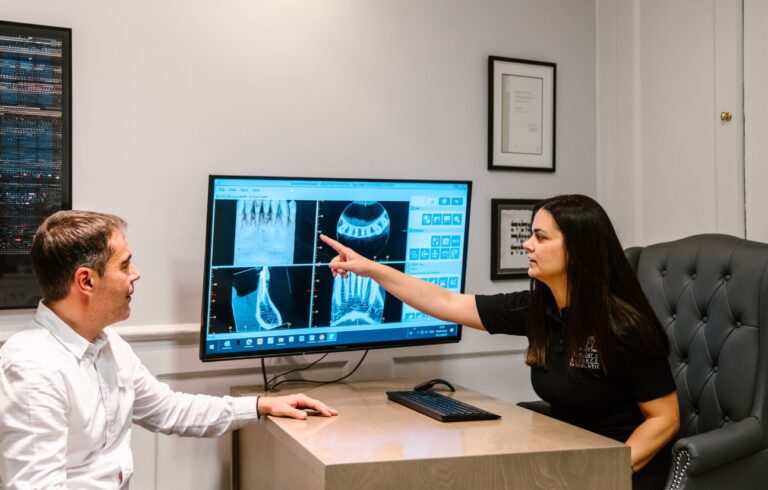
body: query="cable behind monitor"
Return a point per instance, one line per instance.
(269, 386)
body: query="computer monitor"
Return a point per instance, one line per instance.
(268, 290)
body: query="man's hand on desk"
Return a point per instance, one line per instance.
(291, 405)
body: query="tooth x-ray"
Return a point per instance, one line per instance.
(364, 227)
(376, 230)
(253, 309)
(267, 314)
(267, 298)
(356, 301)
(264, 232)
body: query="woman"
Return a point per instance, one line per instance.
(597, 352)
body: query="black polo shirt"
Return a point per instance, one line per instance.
(595, 402)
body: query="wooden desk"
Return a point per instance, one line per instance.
(377, 444)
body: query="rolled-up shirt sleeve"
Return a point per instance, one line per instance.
(33, 428)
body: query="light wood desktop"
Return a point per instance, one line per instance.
(377, 444)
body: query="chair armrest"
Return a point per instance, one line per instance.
(715, 448)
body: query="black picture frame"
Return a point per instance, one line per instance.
(510, 228)
(521, 114)
(35, 147)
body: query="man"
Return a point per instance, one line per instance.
(70, 387)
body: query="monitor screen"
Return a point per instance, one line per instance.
(268, 290)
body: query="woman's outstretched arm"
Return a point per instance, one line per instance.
(424, 296)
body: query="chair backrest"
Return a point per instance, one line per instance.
(711, 294)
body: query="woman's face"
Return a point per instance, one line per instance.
(546, 251)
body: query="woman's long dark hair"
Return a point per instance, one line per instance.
(605, 299)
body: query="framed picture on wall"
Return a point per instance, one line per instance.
(521, 114)
(35, 147)
(510, 228)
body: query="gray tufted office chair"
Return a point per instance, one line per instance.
(711, 294)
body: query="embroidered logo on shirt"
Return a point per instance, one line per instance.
(586, 357)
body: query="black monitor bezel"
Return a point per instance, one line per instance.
(322, 348)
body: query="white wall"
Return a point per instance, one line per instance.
(668, 167)
(756, 118)
(167, 92)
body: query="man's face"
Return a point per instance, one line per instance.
(112, 293)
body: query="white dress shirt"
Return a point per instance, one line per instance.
(67, 405)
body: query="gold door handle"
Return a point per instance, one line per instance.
(726, 116)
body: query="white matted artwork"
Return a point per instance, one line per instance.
(521, 114)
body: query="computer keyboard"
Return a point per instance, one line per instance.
(440, 407)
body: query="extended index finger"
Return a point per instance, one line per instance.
(332, 243)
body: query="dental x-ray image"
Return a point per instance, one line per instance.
(261, 298)
(255, 233)
(364, 225)
(252, 307)
(264, 232)
(254, 310)
(356, 301)
(374, 229)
